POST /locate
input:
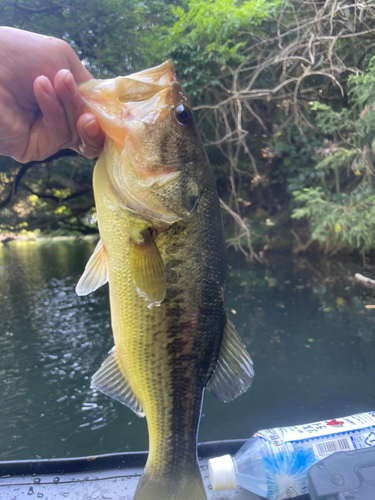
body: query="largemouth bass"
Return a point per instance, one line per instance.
(162, 252)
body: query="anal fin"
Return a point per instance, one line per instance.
(96, 271)
(234, 371)
(110, 380)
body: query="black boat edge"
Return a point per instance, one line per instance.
(113, 476)
(104, 462)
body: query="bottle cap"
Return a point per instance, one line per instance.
(222, 473)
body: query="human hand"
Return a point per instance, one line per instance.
(41, 110)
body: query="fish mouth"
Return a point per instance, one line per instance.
(133, 88)
(163, 75)
(136, 113)
(116, 100)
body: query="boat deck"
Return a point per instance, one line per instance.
(104, 477)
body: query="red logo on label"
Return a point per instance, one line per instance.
(335, 423)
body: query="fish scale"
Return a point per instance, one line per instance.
(162, 251)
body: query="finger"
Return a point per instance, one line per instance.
(80, 73)
(66, 88)
(50, 131)
(91, 134)
(87, 137)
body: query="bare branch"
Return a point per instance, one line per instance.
(310, 58)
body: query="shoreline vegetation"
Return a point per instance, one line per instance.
(308, 257)
(284, 101)
(6, 238)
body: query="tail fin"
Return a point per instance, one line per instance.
(187, 486)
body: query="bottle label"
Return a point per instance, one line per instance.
(351, 441)
(283, 435)
(292, 450)
(324, 448)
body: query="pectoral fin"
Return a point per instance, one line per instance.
(147, 269)
(234, 371)
(110, 379)
(96, 271)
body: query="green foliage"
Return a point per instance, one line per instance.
(337, 158)
(214, 26)
(347, 223)
(345, 218)
(361, 87)
(331, 122)
(296, 169)
(112, 37)
(208, 36)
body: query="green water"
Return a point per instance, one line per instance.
(304, 323)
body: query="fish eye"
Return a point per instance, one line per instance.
(183, 115)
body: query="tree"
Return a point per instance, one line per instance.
(344, 217)
(264, 70)
(253, 70)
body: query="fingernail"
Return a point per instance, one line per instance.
(70, 84)
(92, 128)
(47, 86)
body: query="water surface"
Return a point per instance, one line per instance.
(304, 323)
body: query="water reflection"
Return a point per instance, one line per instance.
(314, 356)
(51, 343)
(305, 325)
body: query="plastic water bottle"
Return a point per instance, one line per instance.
(274, 462)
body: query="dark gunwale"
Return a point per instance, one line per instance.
(106, 462)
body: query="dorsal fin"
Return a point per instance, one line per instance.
(110, 379)
(96, 271)
(234, 371)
